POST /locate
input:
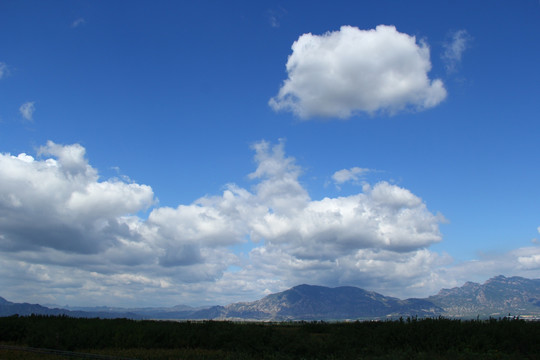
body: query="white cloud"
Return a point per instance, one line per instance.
(350, 71)
(353, 174)
(383, 217)
(59, 203)
(278, 188)
(27, 110)
(69, 237)
(530, 261)
(454, 49)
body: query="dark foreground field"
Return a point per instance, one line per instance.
(29, 337)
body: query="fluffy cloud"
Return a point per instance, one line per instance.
(454, 49)
(403, 274)
(69, 235)
(27, 110)
(345, 72)
(384, 217)
(528, 258)
(59, 203)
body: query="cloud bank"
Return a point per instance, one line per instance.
(351, 71)
(68, 236)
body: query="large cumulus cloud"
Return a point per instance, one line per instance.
(349, 71)
(59, 203)
(70, 235)
(385, 216)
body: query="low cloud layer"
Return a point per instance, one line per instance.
(70, 237)
(351, 71)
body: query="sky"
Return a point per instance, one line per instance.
(209, 152)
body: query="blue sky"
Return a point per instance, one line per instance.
(210, 152)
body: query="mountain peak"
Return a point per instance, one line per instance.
(498, 278)
(4, 301)
(306, 287)
(314, 302)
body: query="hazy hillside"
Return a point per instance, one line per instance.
(497, 297)
(8, 308)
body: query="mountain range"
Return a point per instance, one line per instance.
(497, 297)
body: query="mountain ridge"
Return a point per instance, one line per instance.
(498, 296)
(313, 302)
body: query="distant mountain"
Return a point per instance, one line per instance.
(8, 308)
(156, 313)
(498, 296)
(308, 302)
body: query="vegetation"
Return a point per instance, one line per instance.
(404, 339)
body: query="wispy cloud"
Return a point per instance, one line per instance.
(78, 22)
(3, 69)
(274, 22)
(350, 71)
(27, 110)
(275, 16)
(454, 48)
(345, 175)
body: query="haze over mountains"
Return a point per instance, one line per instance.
(499, 296)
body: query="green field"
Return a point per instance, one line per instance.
(37, 336)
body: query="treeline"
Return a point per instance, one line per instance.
(404, 339)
